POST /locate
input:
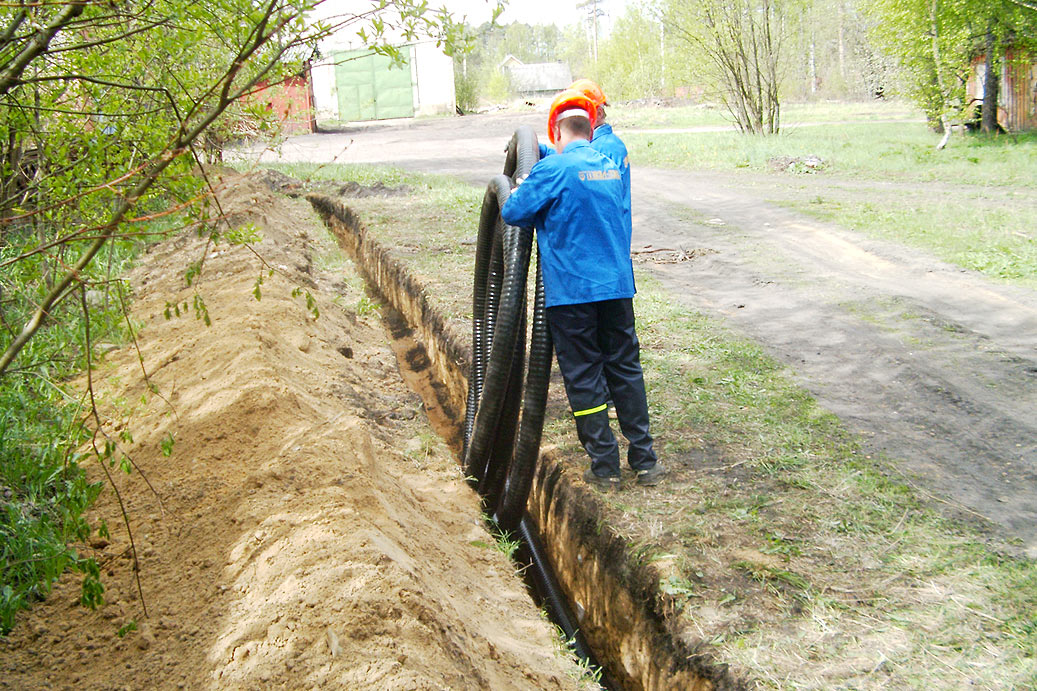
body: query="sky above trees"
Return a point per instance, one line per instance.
(559, 12)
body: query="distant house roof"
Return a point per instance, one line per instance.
(508, 61)
(539, 77)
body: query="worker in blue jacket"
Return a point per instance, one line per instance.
(575, 200)
(604, 140)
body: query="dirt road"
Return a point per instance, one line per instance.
(935, 366)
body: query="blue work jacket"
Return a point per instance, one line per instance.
(612, 146)
(605, 141)
(575, 200)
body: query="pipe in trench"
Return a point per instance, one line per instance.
(504, 419)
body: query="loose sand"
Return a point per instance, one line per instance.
(308, 530)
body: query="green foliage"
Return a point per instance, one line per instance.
(201, 312)
(465, 91)
(936, 40)
(311, 302)
(43, 490)
(506, 543)
(631, 62)
(742, 48)
(257, 288)
(93, 590)
(365, 306)
(166, 445)
(247, 234)
(106, 111)
(833, 56)
(933, 44)
(498, 88)
(480, 75)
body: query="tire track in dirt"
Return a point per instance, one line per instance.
(936, 366)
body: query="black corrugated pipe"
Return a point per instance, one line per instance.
(498, 461)
(512, 504)
(554, 600)
(501, 467)
(501, 326)
(492, 485)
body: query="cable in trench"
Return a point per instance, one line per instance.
(504, 418)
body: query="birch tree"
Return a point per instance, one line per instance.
(743, 47)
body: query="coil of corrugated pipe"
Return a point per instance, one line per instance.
(507, 392)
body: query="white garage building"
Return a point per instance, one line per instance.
(351, 84)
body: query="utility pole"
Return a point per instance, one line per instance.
(593, 12)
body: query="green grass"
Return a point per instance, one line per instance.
(626, 116)
(804, 561)
(359, 173)
(430, 225)
(903, 152)
(825, 527)
(837, 524)
(994, 239)
(972, 204)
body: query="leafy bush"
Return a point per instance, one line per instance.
(465, 92)
(43, 490)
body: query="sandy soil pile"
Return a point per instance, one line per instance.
(307, 530)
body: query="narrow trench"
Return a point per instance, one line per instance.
(415, 367)
(630, 628)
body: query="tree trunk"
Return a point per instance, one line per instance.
(842, 40)
(991, 83)
(813, 69)
(944, 126)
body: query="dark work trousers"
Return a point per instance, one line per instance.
(600, 358)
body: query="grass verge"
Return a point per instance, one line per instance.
(993, 239)
(792, 114)
(803, 561)
(903, 152)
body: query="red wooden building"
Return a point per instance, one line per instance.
(1017, 100)
(291, 101)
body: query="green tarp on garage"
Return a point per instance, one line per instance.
(369, 88)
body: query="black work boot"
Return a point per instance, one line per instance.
(651, 476)
(605, 483)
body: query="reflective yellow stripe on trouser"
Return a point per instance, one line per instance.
(590, 411)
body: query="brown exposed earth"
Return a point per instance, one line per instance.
(308, 529)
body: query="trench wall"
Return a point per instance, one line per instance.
(617, 600)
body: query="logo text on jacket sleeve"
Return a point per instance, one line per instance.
(611, 174)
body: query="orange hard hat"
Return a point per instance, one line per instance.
(591, 90)
(566, 104)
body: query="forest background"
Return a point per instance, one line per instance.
(769, 51)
